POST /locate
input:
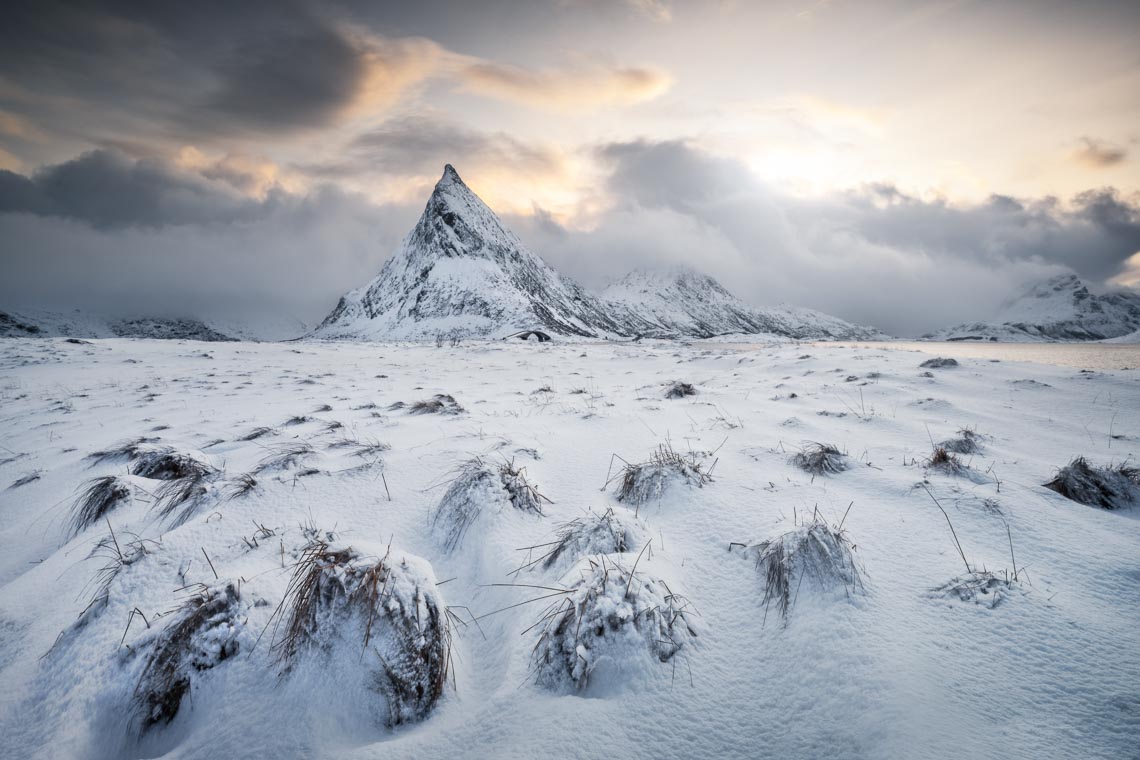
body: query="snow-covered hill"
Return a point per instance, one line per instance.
(686, 302)
(1059, 309)
(461, 270)
(79, 324)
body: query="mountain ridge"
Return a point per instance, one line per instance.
(461, 271)
(1060, 309)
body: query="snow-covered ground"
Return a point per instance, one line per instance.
(885, 669)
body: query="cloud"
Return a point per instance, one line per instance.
(423, 144)
(146, 236)
(1099, 154)
(566, 89)
(939, 262)
(107, 189)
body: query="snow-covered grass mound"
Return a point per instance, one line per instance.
(480, 488)
(648, 481)
(379, 621)
(605, 533)
(611, 626)
(820, 459)
(1109, 487)
(206, 630)
(815, 552)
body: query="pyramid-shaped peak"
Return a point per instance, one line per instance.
(450, 176)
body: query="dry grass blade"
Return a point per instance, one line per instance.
(97, 500)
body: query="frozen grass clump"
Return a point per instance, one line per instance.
(939, 362)
(816, 552)
(258, 432)
(204, 632)
(967, 441)
(25, 479)
(649, 480)
(285, 456)
(164, 463)
(124, 450)
(680, 390)
(376, 619)
(593, 533)
(945, 462)
(820, 459)
(1110, 487)
(96, 500)
(440, 403)
(612, 619)
(479, 488)
(523, 494)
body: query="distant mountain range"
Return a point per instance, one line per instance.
(47, 324)
(1059, 309)
(461, 271)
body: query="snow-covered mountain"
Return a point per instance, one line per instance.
(1059, 309)
(77, 324)
(461, 269)
(683, 301)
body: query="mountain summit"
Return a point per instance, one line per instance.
(461, 269)
(1058, 309)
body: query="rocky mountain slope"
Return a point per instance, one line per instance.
(1059, 309)
(685, 302)
(460, 270)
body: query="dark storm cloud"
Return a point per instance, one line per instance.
(107, 189)
(189, 70)
(168, 239)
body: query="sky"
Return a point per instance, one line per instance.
(902, 164)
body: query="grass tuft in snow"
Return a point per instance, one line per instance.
(820, 553)
(203, 633)
(967, 441)
(1109, 487)
(480, 487)
(593, 533)
(124, 450)
(164, 463)
(242, 485)
(820, 459)
(391, 610)
(945, 462)
(678, 389)
(258, 432)
(609, 615)
(648, 481)
(285, 456)
(939, 362)
(26, 478)
(440, 403)
(100, 496)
